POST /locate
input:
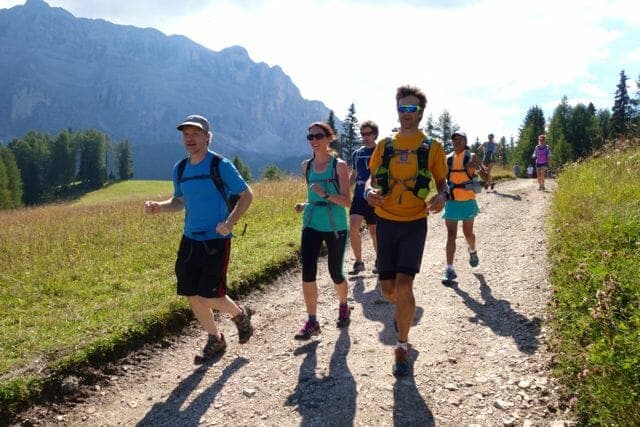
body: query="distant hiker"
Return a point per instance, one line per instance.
(462, 206)
(401, 167)
(541, 154)
(516, 170)
(203, 256)
(324, 220)
(490, 150)
(530, 171)
(360, 209)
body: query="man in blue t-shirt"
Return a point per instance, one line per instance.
(360, 209)
(203, 256)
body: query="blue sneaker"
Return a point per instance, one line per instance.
(473, 259)
(448, 276)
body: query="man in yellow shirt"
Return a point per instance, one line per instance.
(397, 189)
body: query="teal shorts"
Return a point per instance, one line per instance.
(460, 211)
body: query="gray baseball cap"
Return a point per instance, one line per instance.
(197, 121)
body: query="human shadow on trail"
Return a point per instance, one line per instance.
(171, 411)
(509, 196)
(501, 318)
(375, 307)
(337, 390)
(409, 407)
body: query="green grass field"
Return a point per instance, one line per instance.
(594, 249)
(81, 281)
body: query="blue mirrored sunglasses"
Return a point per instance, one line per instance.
(409, 108)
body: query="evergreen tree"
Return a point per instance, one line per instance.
(534, 125)
(63, 160)
(124, 160)
(429, 127)
(93, 146)
(557, 133)
(272, 173)
(242, 168)
(604, 125)
(583, 131)
(5, 194)
(14, 181)
(504, 155)
(331, 121)
(622, 108)
(444, 129)
(351, 136)
(33, 157)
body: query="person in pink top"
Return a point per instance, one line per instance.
(541, 154)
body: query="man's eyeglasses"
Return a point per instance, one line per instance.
(409, 108)
(364, 134)
(311, 136)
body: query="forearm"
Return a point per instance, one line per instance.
(173, 204)
(244, 201)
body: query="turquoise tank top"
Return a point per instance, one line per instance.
(320, 214)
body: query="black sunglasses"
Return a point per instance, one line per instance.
(311, 136)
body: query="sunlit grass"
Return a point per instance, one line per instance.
(88, 274)
(595, 253)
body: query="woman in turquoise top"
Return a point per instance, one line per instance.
(325, 220)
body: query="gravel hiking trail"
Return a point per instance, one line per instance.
(477, 346)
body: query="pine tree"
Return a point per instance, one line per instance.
(5, 194)
(14, 181)
(124, 160)
(63, 160)
(272, 173)
(93, 146)
(444, 129)
(534, 125)
(622, 108)
(351, 136)
(331, 121)
(242, 168)
(583, 132)
(558, 131)
(33, 157)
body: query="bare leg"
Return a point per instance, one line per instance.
(467, 229)
(355, 221)
(374, 237)
(452, 233)
(341, 291)
(405, 306)
(388, 289)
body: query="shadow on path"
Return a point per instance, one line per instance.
(508, 196)
(378, 309)
(501, 318)
(337, 390)
(169, 412)
(409, 407)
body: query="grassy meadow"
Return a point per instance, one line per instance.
(80, 282)
(594, 235)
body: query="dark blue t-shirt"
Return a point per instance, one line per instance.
(360, 161)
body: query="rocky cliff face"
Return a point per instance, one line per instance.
(61, 72)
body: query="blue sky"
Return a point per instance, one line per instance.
(485, 61)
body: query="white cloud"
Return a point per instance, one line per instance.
(487, 62)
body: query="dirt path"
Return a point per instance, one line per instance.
(478, 347)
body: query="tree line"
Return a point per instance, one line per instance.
(39, 167)
(573, 132)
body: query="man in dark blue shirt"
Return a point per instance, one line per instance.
(360, 209)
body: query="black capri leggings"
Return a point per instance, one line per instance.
(310, 251)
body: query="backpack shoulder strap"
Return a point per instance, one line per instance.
(215, 174)
(307, 169)
(181, 165)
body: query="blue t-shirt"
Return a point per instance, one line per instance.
(204, 205)
(360, 161)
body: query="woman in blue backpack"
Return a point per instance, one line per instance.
(325, 220)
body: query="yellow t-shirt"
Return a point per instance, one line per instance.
(401, 204)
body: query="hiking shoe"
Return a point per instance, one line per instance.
(243, 323)
(344, 317)
(448, 276)
(473, 259)
(374, 270)
(214, 346)
(358, 266)
(401, 365)
(308, 330)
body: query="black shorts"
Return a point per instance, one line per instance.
(311, 242)
(201, 267)
(400, 247)
(359, 206)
